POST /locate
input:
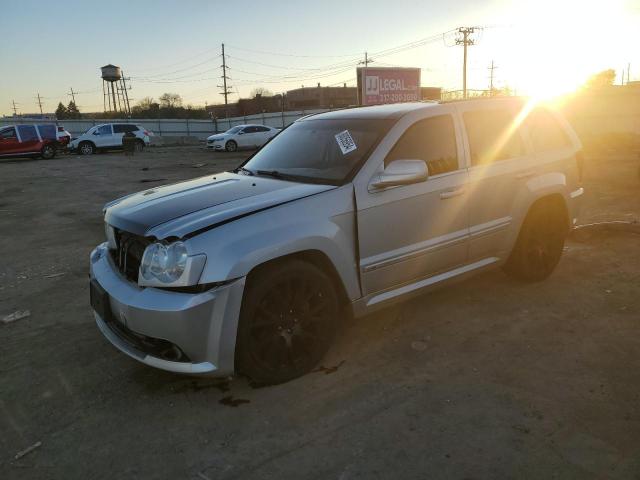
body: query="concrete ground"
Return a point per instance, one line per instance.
(485, 379)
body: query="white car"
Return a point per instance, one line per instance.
(242, 136)
(107, 137)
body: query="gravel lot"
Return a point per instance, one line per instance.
(484, 379)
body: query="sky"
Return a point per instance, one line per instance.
(540, 47)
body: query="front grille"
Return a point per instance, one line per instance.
(128, 253)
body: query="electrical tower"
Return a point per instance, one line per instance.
(15, 110)
(73, 96)
(465, 40)
(225, 90)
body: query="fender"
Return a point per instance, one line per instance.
(324, 222)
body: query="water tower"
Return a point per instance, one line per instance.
(114, 90)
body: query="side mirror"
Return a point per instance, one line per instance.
(401, 172)
(96, 132)
(240, 132)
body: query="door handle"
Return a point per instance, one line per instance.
(451, 193)
(525, 174)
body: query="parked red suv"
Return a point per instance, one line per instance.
(28, 140)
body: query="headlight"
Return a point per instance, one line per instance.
(169, 266)
(111, 236)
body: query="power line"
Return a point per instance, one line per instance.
(280, 54)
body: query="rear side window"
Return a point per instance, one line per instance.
(47, 132)
(8, 133)
(545, 131)
(493, 135)
(124, 128)
(28, 133)
(432, 140)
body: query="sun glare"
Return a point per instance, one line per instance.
(562, 43)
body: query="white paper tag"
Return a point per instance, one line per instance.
(346, 142)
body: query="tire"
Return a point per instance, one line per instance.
(86, 148)
(540, 243)
(139, 146)
(288, 319)
(231, 146)
(48, 152)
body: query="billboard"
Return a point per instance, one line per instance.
(377, 85)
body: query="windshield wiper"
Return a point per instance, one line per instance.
(275, 174)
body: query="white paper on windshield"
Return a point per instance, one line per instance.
(346, 142)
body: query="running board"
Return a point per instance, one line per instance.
(383, 297)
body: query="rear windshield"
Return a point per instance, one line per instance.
(325, 151)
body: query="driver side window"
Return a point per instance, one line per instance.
(104, 130)
(432, 140)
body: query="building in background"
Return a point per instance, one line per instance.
(307, 98)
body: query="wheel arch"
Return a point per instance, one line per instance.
(316, 258)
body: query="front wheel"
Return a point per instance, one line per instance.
(288, 319)
(231, 146)
(86, 148)
(48, 152)
(540, 243)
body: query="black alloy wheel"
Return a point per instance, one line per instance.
(288, 320)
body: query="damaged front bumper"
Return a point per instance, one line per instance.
(179, 332)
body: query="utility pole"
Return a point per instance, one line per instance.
(225, 91)
(40, 104)
(491, 68)
(465, 41)
(366, 63)
(628, 70)
(72, 95)
(15, 110)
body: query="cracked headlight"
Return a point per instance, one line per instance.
(169, 266)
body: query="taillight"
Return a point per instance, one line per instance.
(580, 164)
(61, 129)
(147, 133)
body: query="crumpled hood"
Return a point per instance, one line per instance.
(182, 208)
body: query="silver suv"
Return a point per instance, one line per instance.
(249, 270)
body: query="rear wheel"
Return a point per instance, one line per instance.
(48, 152)
(288, 320)
(231, 146)
(540, 243)
(86, 148)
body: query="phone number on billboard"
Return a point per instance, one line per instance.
(396, 97)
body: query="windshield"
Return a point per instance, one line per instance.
(234, 130)
(321, 150)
